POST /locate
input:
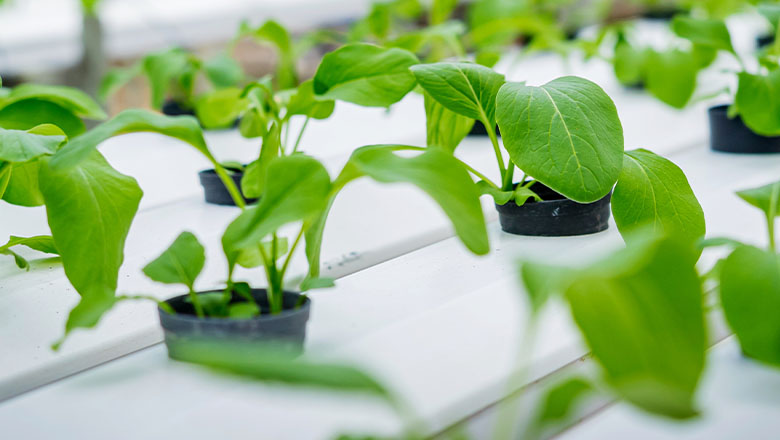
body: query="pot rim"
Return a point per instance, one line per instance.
(285, 313)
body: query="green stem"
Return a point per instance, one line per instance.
(771, 214)
(196, 303)
(491, 129)
(479, 175)
(268, 276)
(290, 254)
(300, 135)
(238, 199)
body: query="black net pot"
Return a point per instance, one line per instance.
(284, 332)
(215, 191)
(733, 136)
(174, 108)
(479, 129)
(554, 216)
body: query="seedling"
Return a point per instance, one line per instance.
(89, 205)
(172, 75)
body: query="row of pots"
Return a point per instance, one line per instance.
(554, 216)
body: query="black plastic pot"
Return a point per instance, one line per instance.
(478, 129)
(215, 191)
(173, 108)
(665, 14)
(763, 41)
(554, 216)
(733, 136)
(284, 332)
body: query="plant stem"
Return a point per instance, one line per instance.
(162, 304)
(771, 214)
(290, 254)
(480, 175)
(491, 130)
(268, 276)
(300, 135)
(238, 199)
(196, 303)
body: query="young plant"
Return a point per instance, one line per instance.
(89, 204)
(172, 75)
(565, 134)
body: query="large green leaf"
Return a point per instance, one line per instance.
(436, 172)
(640, 312)
(267, 365)
(28, 113)
(653, 191)
(750, 297)
(444, 128)
(566, 134)
(464, 88)
(181, 263)
(17, 146)
(703, 32)
(671, 76)
(758, 102)
(295, 189)
(90, 207)
(366, 75)
(73, 100)
(185, 128)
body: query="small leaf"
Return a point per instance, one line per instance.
(671, 76)
(220, 108)
(765, 198)
(366, 75)
(181, 263)
(244, 310)
(565, 133)
(500, 197)
(757, 102)
(40, 243)
(252, 124)
(223, 71)
(654, 191)
(750, 297)
(252, 257)
(18, 146)
(304, 102)
(464, 88)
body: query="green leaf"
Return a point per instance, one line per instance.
(244, 310)
(703, 32)
(671, 76)
(750, 297)
(437, 173)
(181, 263)
(366, 75)
(169, 68)
(629, 63)
(304, 102)
(223, 71)
(641, 314)
(296, 189)
(17, 146)
(445, 128)
(441, 10)
(220, 108)
(464, 88)
(758, 103)
(765, 198)
(90, 208)
(29, 113)
(566, 134)
(252, 124)
(251, 257)
(273, 32)
(73, 100)
(271, 366)
(499, 196)
(22, 187)
(654, 191)
(254, 177)
(379, 20)
(116, 79)
(316, 283)
(184, 128)
(559, 404)
(40, 243)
